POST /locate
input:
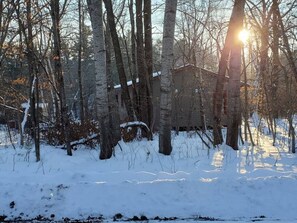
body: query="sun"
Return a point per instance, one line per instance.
(244, 35)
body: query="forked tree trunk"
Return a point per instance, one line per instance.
(221, 78)
(95, 10)
(234, 109)
(165, 146)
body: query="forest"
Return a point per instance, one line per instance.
(53, 87)
(102, 94)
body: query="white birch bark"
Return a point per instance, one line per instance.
(26, 113)
(166, 77)
(95, 10)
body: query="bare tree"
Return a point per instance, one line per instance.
(165, 146)
(119, 60)
(148, 51)
(114, 116)
(95, 10)
(234, 25)
(234, 109)
(79, 67)
(63, 116)
(145, 95)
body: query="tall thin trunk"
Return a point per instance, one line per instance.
(95, 10)
(148, 50)
(114, 116)
(165, 146)
(33, 76)
(144, 83)
(79, 69)
(133, 59)
(246, 105)
(201, 103)
(119, 60)
(234, 109)
(64, 119)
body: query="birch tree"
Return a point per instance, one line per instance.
(95, 11)
(79, 62)
(165, 146)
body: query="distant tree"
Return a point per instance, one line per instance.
(165, 146)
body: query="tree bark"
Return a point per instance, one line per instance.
(148, 50)
(221, 78)
(95, 10)
(165, 146)
(114, 116)
(133, 60)
(64, 119)
(79, 69)
(144, 83)
(234, 109)
(119, 60)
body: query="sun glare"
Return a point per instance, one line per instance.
(243, 35)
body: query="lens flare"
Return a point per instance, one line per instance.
(243, 35)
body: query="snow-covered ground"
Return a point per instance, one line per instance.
(251, 184)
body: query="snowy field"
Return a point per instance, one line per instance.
(193, 184)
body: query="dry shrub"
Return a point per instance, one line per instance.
(135, 130)
(54, 135)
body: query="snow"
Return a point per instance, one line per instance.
(252, 184)
(134, 123)
(129, 83)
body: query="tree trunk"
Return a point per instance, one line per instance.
(33, 80)
(144, 83)
(165, 146)
(148, 50)
(81, 98)
(64, 119)
(133, 60)
(119, 60)
(114, 116)
(221, 78)
(234, 109)
(95, 10)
